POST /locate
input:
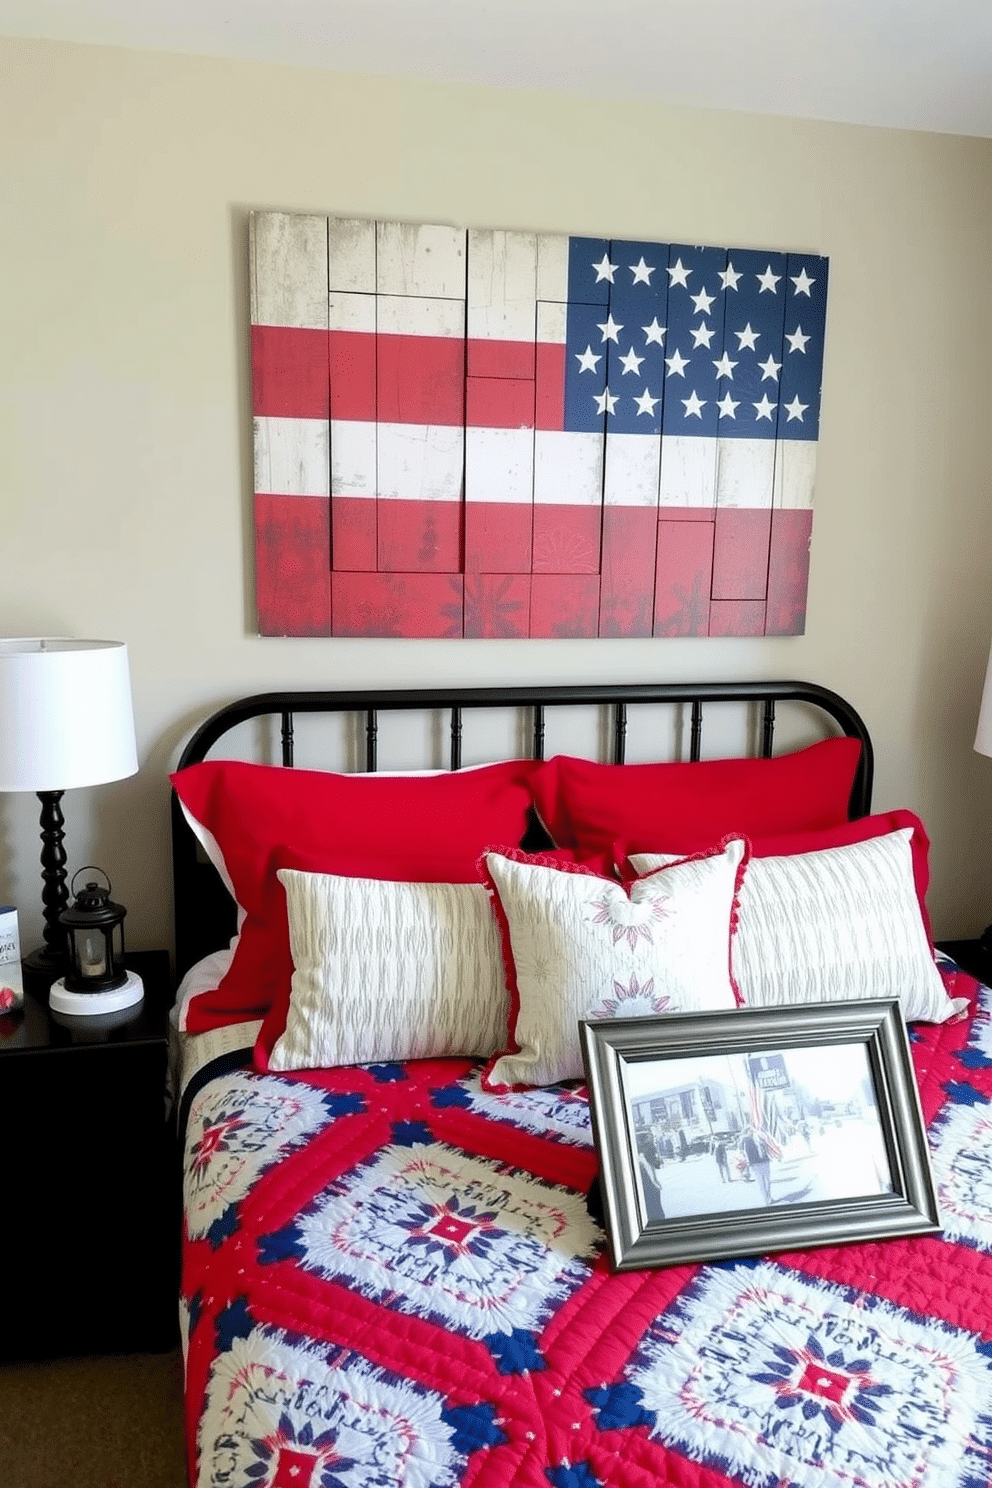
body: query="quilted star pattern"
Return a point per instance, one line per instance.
(465, 1242)
(978, 1054)
(962, 1166)
(391, 1277)
(239, 1129)
(554, 1112)
(771, 1377)
(284, 1415)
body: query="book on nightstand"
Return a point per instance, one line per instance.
(11, 978)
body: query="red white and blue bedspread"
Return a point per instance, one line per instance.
(392, 1278)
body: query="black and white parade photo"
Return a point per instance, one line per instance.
(736, 1131)
(746, 1131)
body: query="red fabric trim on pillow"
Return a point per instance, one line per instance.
(844, 835)
(588, 806)
(563, 863)
(426, 829)
(735, 905)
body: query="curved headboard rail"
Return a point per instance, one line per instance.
(203, 908)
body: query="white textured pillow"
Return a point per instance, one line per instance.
(388, 971)
(843, 922)
(578, 946)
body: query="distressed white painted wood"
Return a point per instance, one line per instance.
(688, 471)
(287, 269)
(499, 465)
(552, 322)
(411, 315)
(353, 458)
(568, 468)
(745, 472)
(351, 255)
(352, 441)
(351, 312)
(420, 462)
(632, 471)
(420, 259)
(552, 266)
(795, 474)
(291, 457)
(502, 286)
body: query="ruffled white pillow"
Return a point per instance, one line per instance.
(843, 922)
(579, 946)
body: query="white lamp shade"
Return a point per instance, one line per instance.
(983, 738)
(66, 717)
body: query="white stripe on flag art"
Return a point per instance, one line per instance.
(509, 434)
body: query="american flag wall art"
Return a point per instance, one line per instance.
(504, 434)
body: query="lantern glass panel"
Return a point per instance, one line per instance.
(91, 953)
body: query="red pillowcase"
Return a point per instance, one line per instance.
(424, 829)
(688, 807)
(861, 830)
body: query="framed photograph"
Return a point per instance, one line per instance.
(736, 1133)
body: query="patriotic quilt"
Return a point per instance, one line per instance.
(392, 1278)
(485, 433)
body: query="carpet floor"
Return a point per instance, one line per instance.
(109, 1421)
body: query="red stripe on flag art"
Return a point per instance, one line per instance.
(589, 437)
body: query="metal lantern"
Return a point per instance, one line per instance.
(94, 927)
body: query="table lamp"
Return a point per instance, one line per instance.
(67, 722)
(983, 736)
(983, 744)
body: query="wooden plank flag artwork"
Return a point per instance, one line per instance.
(497, 434)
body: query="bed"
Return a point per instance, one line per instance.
(393, 1270)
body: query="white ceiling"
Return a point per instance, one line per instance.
(914, 64)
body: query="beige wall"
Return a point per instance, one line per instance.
(125, 457)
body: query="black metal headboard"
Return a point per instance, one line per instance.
(204, 913)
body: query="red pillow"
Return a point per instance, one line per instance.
(861, 830)
(416, 828)
(688, 807)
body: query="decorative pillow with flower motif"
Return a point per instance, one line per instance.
(579, 946)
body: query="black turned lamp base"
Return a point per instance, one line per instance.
(45, 962)
(50, 961)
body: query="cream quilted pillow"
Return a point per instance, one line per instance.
(843, 922)
(387, 971)
(578, 946)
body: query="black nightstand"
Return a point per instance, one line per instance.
(973, 956)
(89, 1238)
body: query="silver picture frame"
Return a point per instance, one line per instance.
(753, 1130)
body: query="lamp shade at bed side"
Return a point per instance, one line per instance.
(983, 734)
(67, 714)
(983, 745)
(67, 722)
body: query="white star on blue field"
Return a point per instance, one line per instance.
(667, 338)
